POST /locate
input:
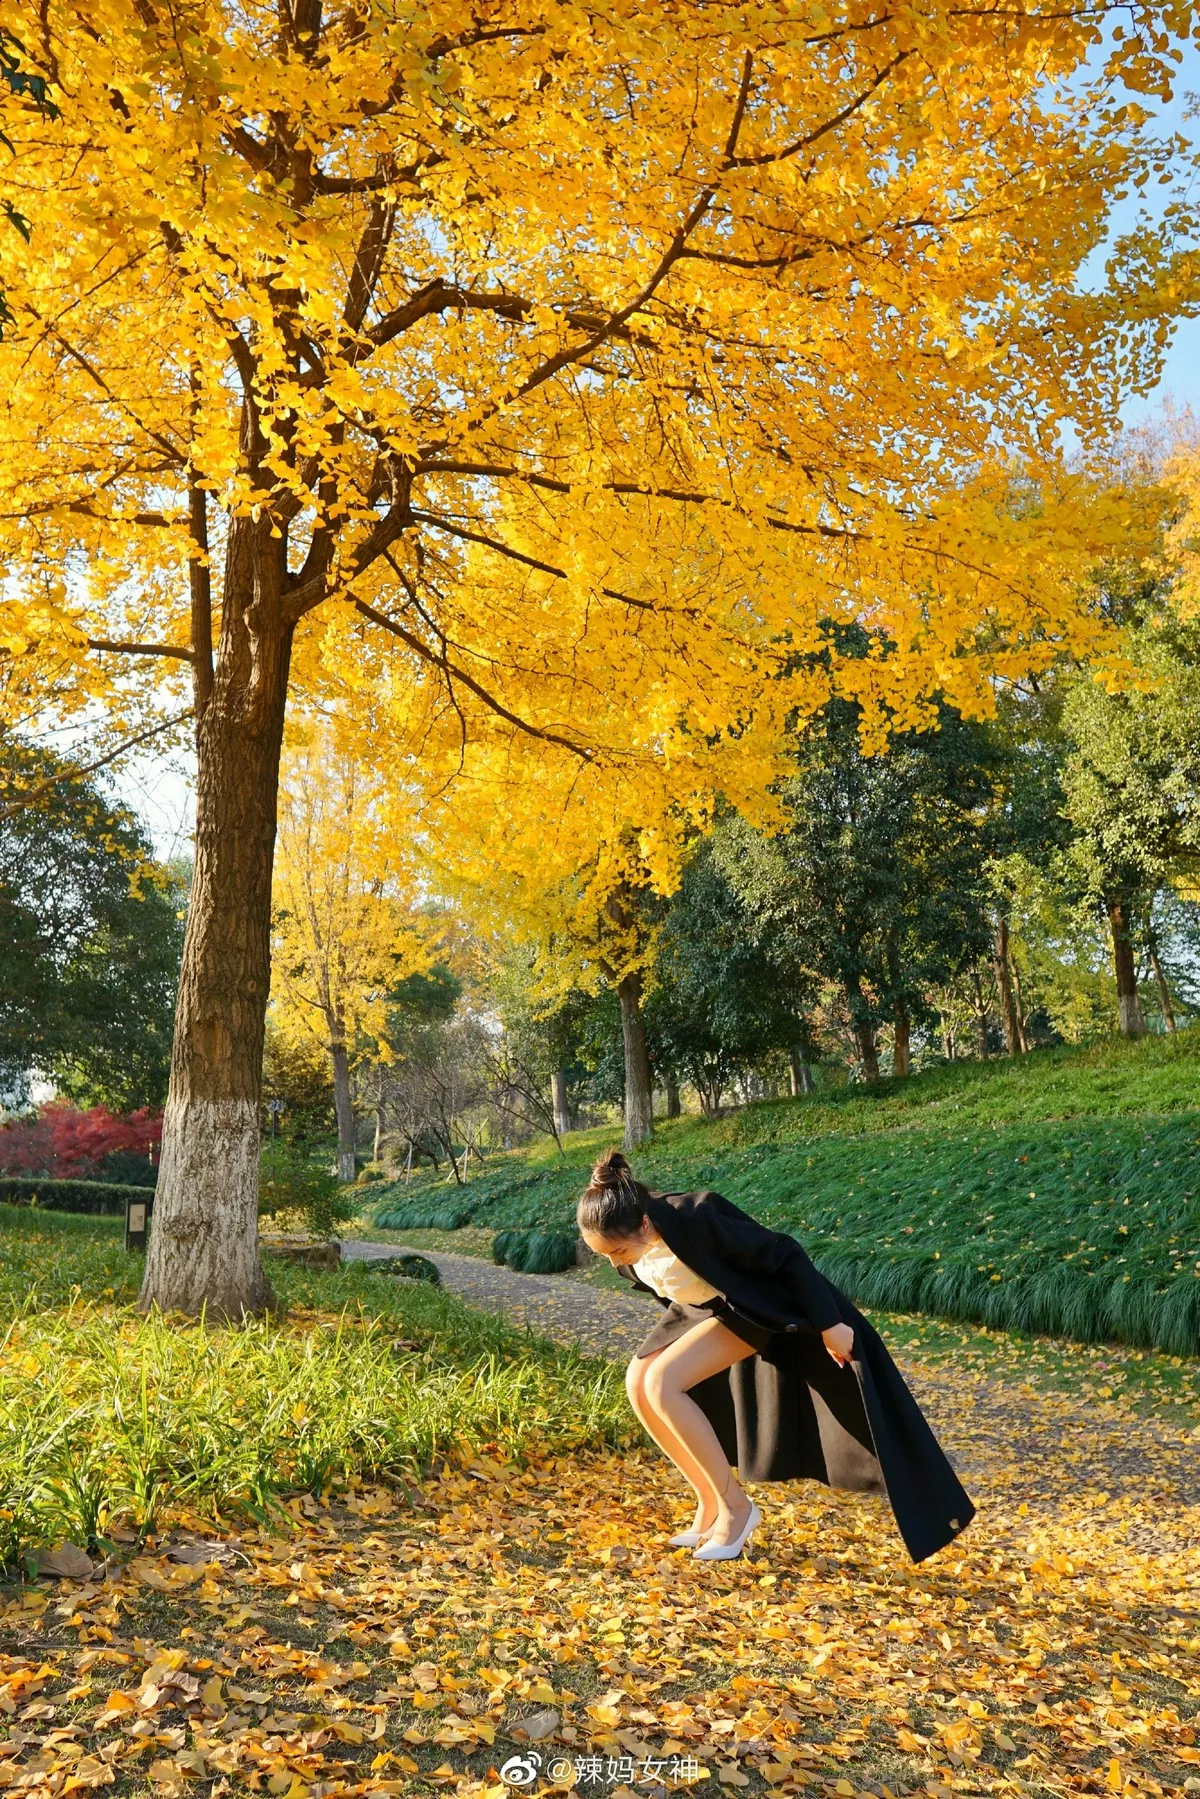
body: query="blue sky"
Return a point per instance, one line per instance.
(1180, 383)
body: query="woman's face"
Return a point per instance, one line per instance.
(622, 1251)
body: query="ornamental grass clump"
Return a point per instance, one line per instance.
(535, 1251)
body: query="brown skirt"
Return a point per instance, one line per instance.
(678, 1319)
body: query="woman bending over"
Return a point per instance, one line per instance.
(758, 1363)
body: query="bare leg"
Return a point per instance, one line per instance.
(671, 1446)
(707, 1350)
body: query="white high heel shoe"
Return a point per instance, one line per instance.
(729, 1552)
(688, 1539)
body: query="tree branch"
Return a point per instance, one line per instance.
(839, 118)
(452, 671)
(90, 768)
(504, 549)
(141, 649)
(574, 353)
(438, 296)
(368, 262)
(682, 496)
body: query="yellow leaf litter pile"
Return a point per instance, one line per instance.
(532, 1619)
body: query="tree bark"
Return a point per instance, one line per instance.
(558, 1096)
(800, 1072)
(343, 1106)
(377, 1150)
(1164, 992)
(868, 1055)
(1022, 1020)
(901, 1043)
(864, 1033)
(639, 1100)
(981, 1019)
(1004, 987)
(1129, 1005)
(674, 1104)
(203, 1253)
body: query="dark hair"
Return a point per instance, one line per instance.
(613, 1203)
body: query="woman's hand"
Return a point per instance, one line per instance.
(839, 1341)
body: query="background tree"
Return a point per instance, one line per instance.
(876, 880)
(1131, 781)
(309, 393)
(345, 924)
(90, 935)
(722, 1001)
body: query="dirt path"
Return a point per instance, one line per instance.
(1034, 1446)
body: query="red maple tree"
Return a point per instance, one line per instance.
(68, 1144)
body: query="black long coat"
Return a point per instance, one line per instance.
(790, 1412)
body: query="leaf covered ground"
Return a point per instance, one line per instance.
(394, 1642)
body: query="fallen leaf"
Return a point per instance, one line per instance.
(538, 1726)
(66, 1562)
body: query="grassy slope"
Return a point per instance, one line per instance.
(1057, 1193)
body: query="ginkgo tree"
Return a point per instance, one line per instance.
(347, 924)
(553, 370)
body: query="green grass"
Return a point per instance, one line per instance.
(1058, 1194)
(107, 1418)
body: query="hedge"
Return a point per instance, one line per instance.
(69, 1196)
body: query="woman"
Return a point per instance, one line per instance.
(760, 1363)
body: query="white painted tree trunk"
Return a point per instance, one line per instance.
(558, 1094)
(203, 1251)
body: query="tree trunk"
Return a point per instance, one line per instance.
(981, 1019)
(800, 1072)
(1129, 1005)
(377, 1150)
(710, 1098)
(1004, 987)
(1022, 1020)
(901, 1045)
(343, 1106)
(203, 1252)
(558, 1095)
(639, 1102)
(864, 1033)
(1164, 992)
(868, 1055)
(674, 1105)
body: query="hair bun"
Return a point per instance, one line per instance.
(612, 1170)
(615, 1202)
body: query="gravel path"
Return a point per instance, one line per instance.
(602, 1322)
(1032, 1445)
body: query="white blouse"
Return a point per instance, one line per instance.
(662, 1271)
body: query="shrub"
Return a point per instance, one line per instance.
(95, 1197)
(412, 1266)
(296, 1192)
(535, 1252)
(129, 1169)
